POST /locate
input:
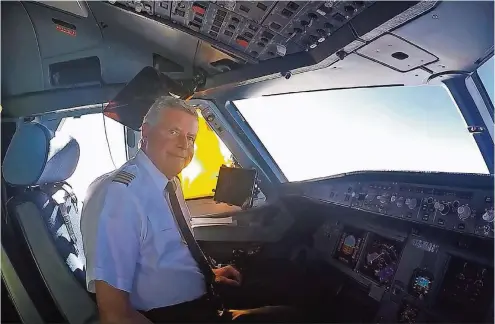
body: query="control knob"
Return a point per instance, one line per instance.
(464, 212)
(313, 41)
(369, 197)
(411, 203)
(443, 208)
(383, 198)
(488, 216)
(139, 7)
(322, 35)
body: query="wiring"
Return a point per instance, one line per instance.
(106, 137)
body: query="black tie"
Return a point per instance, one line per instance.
(193, 246)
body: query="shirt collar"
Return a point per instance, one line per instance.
(159, 178)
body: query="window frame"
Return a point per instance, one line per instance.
(481, 85)
(451, 90)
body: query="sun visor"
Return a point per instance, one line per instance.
(133, 102)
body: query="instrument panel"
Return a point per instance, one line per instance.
(261, 30)
(456, 209)
(412, 282)
(443, 273)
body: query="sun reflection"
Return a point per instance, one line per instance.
(199, 178)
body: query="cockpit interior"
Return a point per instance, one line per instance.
(344, 163)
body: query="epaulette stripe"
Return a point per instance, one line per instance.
(124, 176)
(122, 181)
(128, 175)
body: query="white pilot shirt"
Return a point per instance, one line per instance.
(132, 242)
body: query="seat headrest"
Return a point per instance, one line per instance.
(37, 157)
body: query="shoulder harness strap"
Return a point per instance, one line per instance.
(124, 177)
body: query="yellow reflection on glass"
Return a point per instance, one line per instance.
(200, 177)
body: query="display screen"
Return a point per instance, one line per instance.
(349, 246)
(235, 186)
(132, 103)
(467, 290)
(381, 259)
(421, 282)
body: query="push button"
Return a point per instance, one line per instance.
(241, 41)
(461, 226)
(441, 221)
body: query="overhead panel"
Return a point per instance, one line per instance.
(260, 30)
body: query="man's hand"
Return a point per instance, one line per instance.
(228, 275)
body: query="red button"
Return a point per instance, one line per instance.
(198, 10)
(242, 42)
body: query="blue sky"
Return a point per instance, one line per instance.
(486, 74)
(318, 134)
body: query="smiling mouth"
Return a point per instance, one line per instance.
(177, 156)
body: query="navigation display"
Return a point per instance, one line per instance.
(349, 246)
(381, 258)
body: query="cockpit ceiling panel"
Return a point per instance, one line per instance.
(255, 30)
(60, 33)
(459, 33)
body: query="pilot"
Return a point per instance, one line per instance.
(137, 262)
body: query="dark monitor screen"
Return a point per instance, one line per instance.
(133, 102)
(235, 185)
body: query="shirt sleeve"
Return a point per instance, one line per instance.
(117, 239)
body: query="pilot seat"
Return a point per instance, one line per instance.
(37, 164)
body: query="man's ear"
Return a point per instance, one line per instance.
(145, 130)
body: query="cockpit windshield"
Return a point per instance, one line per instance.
(318, 134)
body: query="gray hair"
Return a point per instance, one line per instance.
(164, 103)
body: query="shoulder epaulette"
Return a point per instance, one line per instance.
(124, 177)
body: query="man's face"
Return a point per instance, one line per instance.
(170, 143)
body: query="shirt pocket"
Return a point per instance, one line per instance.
(165, 235)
